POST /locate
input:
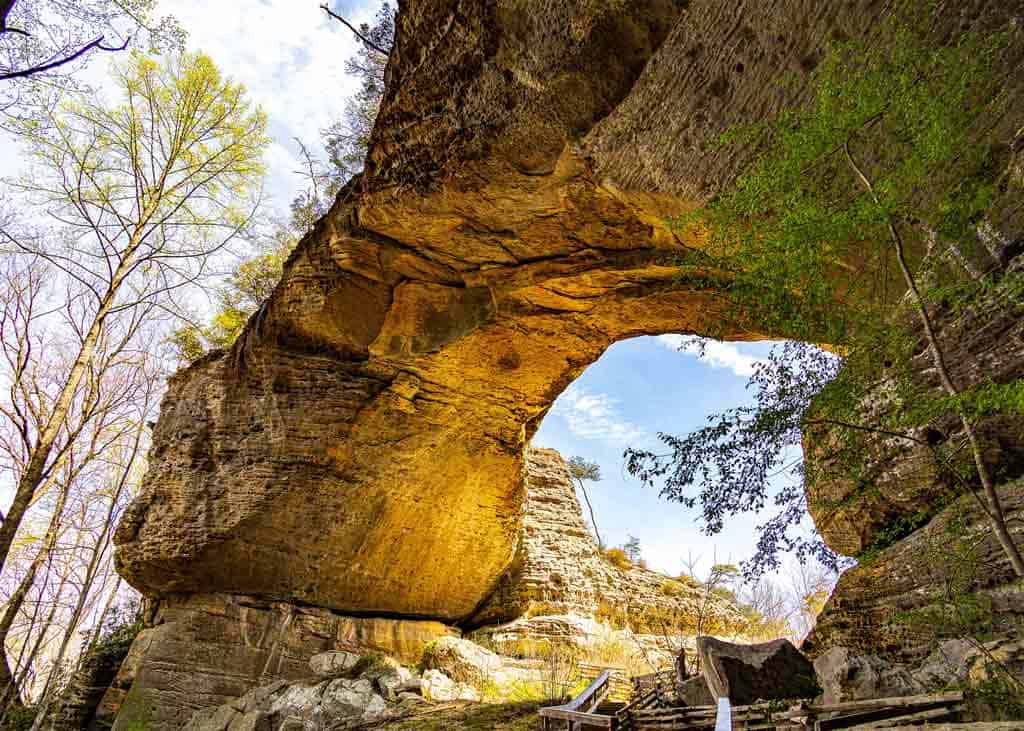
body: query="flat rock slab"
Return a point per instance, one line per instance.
(748, 673)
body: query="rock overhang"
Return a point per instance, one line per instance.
(361, 446)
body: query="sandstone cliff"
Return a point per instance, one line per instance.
(947, 549)
(361, 448)
(559, 569)
(203, 650)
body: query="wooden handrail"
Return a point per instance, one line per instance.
(591, 690)
(580, 710)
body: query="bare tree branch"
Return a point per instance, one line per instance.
(96, 43)
(355, 31)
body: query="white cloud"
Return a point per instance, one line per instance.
(596, 416)
(291, 57)
(726, 356)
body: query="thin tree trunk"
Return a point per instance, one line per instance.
(996, 515)
(17, 599)
(90, 575)
(593, 520)
(94, 638)
(26, 669)
(35, 468)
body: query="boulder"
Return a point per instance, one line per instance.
(393, 682)
(332, 664)
(345, 699)
(297, 706)
(461, 660)
(695, 692)
(748, 673)
(439, 687)
(845, 675)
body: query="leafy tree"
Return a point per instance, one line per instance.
(582, 472)
(240, 295)
(632, 549)
(867, 202)
(145, 192)
(348, 139)
(347, 142)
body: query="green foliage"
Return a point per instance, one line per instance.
(673, 588)
(803, 248)
(689, 581)
(1002, 695)
(238, 297)
(372, 664)
(20, 718)
(429, 650)
(581, 469)
(632, 549)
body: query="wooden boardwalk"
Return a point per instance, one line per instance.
(648, 711)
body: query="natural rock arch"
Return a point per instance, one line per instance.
(361, 447)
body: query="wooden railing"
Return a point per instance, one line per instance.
(865, 714)
(579, 713)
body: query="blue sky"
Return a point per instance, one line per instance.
(638, 388)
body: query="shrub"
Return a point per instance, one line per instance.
(617, 558)
(671, 587)
(372, 663)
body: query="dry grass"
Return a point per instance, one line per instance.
(475, 717)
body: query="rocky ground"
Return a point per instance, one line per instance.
(500, 717)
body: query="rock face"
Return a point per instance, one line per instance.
(982, 342)
(338, 704)
(747, 673)
(208, 650)
(876, 609)
(558, 570)
(362, 446)
(204, 650)
(367, 431)
(90, 693)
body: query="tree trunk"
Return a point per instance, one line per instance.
(35, 468)
(996, 515)
(99, 549)
(17, 599)
(593, 520)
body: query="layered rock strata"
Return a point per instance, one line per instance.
(983, 343)
(881, 607)
(203, 650)
(366, 433)
(207, 650)
(361, 448)
(877, 607)
(559, 568)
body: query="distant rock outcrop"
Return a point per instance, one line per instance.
(559, 569)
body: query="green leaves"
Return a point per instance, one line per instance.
(805, 251)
